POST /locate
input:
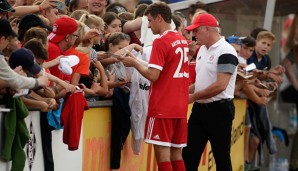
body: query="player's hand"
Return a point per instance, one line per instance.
(129, 60)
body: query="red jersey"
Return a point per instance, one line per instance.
(168, 97)
(71, 118)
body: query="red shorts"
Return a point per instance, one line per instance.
(169, 132)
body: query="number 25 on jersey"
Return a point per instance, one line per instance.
(180, 73)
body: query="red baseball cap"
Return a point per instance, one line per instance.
(62, 27)
(204, 19)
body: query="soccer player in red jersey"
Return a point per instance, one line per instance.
(166, 124)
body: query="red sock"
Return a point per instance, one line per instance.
(165, 166)
(178, 165)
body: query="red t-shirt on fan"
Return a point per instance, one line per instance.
(168, 97)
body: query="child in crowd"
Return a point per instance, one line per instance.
(120, 96)
(41, 34)
(259, 113)
(94, 29)
(245, 88)
(116, 42)
(247, 48)
(93, 36)
(112, 22)
(264, 42)
(25, 58)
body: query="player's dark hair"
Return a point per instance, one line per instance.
(159, 8)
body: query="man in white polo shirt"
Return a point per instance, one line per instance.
(213, 110)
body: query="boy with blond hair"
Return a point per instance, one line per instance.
(260, 58)
(264, 42)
